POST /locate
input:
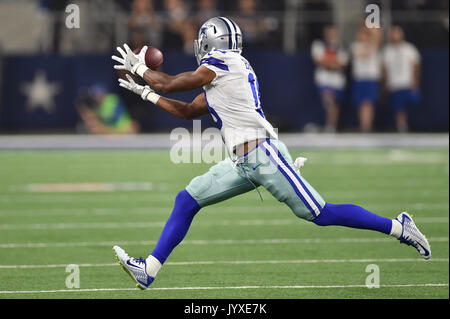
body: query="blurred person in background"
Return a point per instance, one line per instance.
(330, 59)
(366, 73)
(401, 62)
(179, 26)
(253, 28)
(145, 27)
(103, 112)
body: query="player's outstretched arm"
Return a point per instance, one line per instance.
(184, 110)
(181, 82)
(180, 109)
(135, 63)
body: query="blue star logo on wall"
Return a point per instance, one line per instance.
(40, 93)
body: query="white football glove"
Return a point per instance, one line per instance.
(299, 162)
(134, 63)
(146, 92)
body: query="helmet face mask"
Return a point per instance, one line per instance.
(218, 33)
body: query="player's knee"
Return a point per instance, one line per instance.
(200, 184)
(180, 196)
(187, 202)
(326, 216)
(319, 222)
(303, 213)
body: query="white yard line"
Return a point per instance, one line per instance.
(431, 219)
(110, 225)
(39, 198)
(220, 288)
(364, 194)
(244, 262)
(159, 224)
(213, 242)
(240, 209)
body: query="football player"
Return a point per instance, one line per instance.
(256, 157)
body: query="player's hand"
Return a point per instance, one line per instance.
(128, 60)
(141, 90)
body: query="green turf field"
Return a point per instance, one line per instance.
(241, 248)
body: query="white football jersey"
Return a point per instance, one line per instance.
(324, 77)
(365, 67)
(233, 99)
(399, 60)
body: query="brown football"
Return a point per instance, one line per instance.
(153, 57)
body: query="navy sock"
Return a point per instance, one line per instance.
(352, 216)
(176, 226)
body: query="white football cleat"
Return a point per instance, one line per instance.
(136, 268)
(412, 236)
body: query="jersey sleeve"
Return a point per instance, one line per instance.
(216, 61)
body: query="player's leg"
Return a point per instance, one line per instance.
(307, 203)
(175, 229)
(288, 186)
(143, 272)
(219, 183)
(402, 227)
(267, 167)
(354, 216)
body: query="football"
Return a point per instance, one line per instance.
(153, 57)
